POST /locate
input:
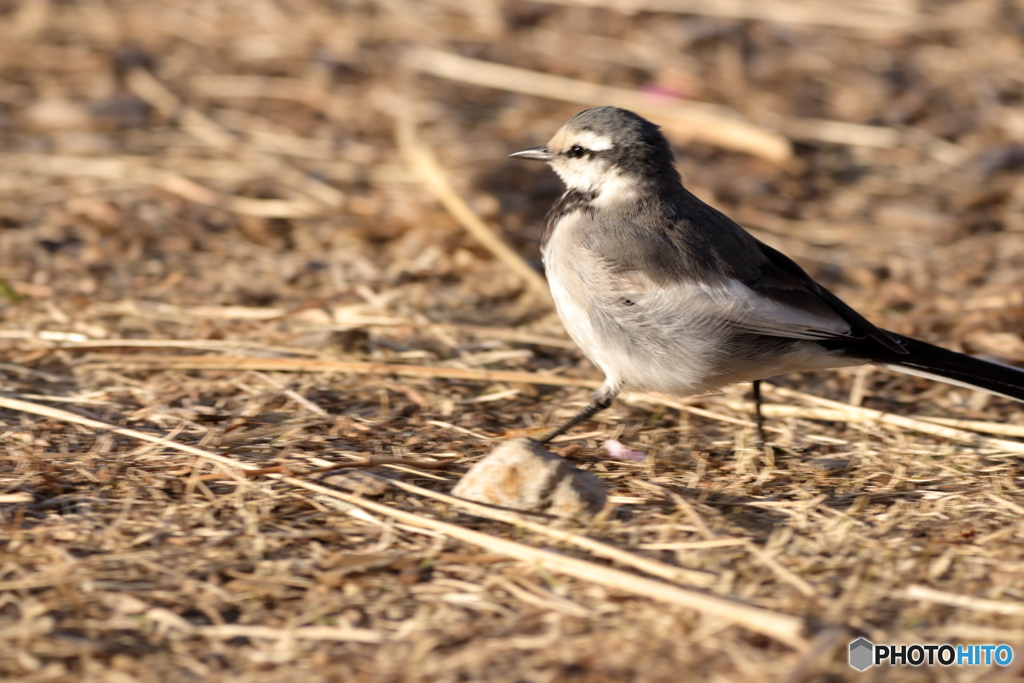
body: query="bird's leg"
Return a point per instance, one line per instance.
(757, 413)
(602, 399)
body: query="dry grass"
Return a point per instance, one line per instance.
(224, 270)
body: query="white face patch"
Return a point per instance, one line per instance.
(565, 139)
(583, 174)
(588, 139)
(596, 175)
(586, 173)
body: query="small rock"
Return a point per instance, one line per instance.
(523, 475)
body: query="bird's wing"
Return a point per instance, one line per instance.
(717, 302)
(783, 283)
(745, 283)
(749, 310)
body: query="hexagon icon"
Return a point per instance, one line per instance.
(861, 651)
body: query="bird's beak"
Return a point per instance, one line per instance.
(539, 153)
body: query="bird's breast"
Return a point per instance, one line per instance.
(571, 270)
(620, 329)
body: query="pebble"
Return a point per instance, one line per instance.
(523, 475)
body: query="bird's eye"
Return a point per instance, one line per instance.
(576, 151)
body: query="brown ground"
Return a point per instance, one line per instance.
(224, 175)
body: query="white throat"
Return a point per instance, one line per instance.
(609, 186)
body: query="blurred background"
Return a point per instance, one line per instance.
(281, 179)
(245, 153)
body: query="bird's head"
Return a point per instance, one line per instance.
(606, 149)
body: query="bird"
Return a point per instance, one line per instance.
(665, 293)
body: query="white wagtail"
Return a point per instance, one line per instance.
(664, 293)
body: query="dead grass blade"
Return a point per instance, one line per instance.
(699, 121)
(330, 633)
(65, 416)
(263, 87)
(245, 206)
(425, 164)
(871, 15)
(762, 556)
(141, 170)
(157, 164)
(975, 425)
(859, 414)
(598, 548)
(237, 363)
(150, 89)
(926, 594)
(835, 415)
(833, 411)
(780, 627)
(843, 133)
(369, 462)
(1002, 502)
(147, 87)
(196, 344)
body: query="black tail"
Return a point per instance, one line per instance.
(934, 362)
